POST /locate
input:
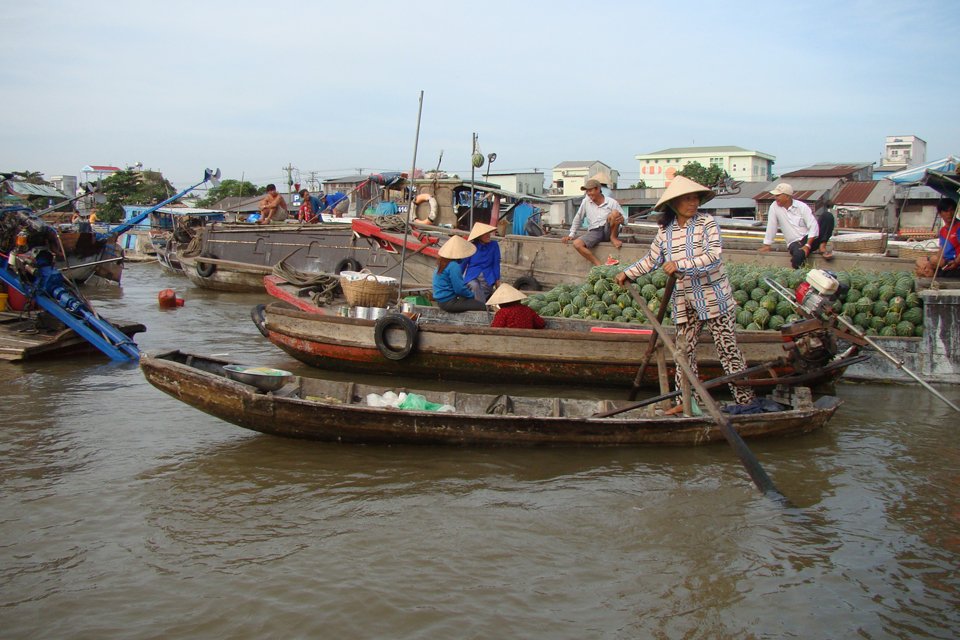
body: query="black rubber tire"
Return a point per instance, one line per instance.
(259, 319)
(206, 269)
(347, 264)
(529, 283)
(400, 321)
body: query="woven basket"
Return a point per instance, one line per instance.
(860, 242)
(914, 250)
(367, 291)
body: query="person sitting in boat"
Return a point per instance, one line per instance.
(309, 211)
(482, 270)
(449, 290)
(687, 245)
(273, 208)
(948, 258)
(804, 233)
(512, 313)
(604, 216)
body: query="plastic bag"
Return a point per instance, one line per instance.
(416, 402)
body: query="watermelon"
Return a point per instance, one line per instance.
(888, 331)
(751, 306)
(886, 292)
(753, 326)
(776, 322)
(744, 317)
(914, 315)
(905, 329)
(568, 311)
(880, 308)
(648, 291)
(761, 316)
(853, 295)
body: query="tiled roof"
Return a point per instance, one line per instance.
(855, 192)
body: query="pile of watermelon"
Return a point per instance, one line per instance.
(879, 304)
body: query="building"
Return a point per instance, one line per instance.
(65, 184)
(658, 168)
(849, 172)
(570, 175)
(901, 152)
(530, 182)
(869, 205)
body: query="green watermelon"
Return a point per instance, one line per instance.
(853, 295)
(744, 317)
(775, 322)
(905, 329)
(913, 315)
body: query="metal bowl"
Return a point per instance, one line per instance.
(263, 378)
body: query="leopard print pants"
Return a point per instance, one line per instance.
(725, 340)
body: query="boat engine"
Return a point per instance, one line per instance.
(811, 342)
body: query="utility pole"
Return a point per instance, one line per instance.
(313, 182)
(289, 169)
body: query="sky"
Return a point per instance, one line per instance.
(334, 87)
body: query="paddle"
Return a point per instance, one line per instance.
(667, 293)
(709, 384)
(749, 461)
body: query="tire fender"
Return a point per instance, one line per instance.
(206, 269)
(347, 264)
(529, 283)
(259, 319)
(398, 321)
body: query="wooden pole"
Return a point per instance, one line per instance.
(749, 461)
(638, 380)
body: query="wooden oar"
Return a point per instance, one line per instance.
(709, 384)
(664, 302)
(749, 461)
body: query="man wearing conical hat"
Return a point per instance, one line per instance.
(604, 216)
(513, 313)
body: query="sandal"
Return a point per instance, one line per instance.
(826, 255)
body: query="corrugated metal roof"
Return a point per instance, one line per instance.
(855, 192)
(827, 170)
(28, 189)
(730, 203)
(809, 184)
(568, 164)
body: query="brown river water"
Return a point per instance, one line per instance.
(126, 514)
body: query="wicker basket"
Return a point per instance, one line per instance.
(860, 242)
(916, 250)
(368, 290)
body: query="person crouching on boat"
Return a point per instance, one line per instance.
(449, 290)
(512, 313)
(482, 270)
(273, 208)
(309, 211)
(947, 259)
(688, 246)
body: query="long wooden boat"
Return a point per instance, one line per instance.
(236, 257)
(568, 351)
(316, 409)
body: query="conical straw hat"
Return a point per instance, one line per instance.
(479, 229)
(681, 186)
(456, 248)
(504, 294)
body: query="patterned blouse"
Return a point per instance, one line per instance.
(702, 285)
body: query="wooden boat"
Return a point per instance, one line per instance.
(317, 409)
(236, 257)
(464, 347)
(32, 337)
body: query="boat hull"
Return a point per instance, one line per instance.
(291, 413)
(576, 356)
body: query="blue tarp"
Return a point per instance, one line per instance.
(914, 175)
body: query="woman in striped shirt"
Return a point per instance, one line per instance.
(687, 245)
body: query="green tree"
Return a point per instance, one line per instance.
(230, 188)
(640, 185)
(132, 187)
(707, 176)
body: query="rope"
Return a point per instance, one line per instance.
(325, 285)
(389, 223)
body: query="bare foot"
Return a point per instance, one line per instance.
(672, 411)
(616, 243)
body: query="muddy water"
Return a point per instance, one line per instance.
(126, 514)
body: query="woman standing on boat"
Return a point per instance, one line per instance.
(687, 245)
(482, 271)
(449, 290)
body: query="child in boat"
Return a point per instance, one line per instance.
(512, 314)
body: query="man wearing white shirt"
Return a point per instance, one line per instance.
(802, 232)
(604, 216)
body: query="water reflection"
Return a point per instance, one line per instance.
(121, 507)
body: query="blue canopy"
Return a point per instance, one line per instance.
(914, 175)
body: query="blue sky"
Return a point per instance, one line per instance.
(333, 87)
